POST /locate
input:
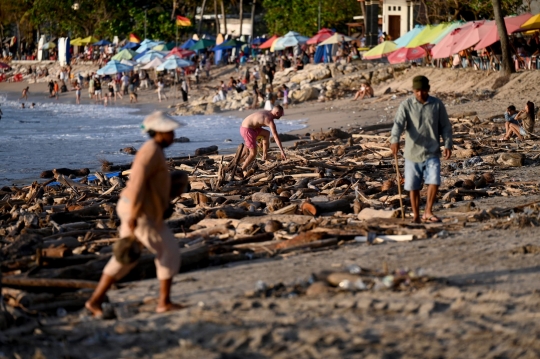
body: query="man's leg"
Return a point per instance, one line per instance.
(413, 184)
(94, 303)
(431, 196)
(250, 158)
(415, 205)
(266, 142)
(432, 176)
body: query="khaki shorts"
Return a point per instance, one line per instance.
(158, 239)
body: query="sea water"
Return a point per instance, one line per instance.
(53, 135)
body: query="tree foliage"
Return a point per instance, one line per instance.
(452, 10)
(282, 16)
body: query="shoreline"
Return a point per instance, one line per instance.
(315, 116)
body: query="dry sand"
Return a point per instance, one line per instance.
(485, 304)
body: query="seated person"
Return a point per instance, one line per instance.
(512, 125)
(365, 90)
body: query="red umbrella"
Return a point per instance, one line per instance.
(322, 35)
(268, 43)
(405, 54)
(444, 47)
(182, 53)
(513, 24)
(4, 66)
(471, 36)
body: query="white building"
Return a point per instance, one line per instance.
(398, 16)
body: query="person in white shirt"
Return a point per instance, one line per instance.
(144, 79)
(161, 89)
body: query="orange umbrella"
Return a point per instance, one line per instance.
(268, 43)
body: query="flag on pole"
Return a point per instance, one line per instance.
(182, 21)
(134, 38)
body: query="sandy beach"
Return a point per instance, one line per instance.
(482, 301)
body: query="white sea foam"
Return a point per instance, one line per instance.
(55, 135)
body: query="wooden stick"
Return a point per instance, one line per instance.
(399, 186)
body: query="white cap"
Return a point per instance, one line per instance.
(160, 122)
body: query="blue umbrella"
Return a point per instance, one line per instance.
(408, 37)
(130, 45)
(113, 67)
(290, 39)
(174, 62)
(186, 45)
(149, 56)
(101, 43)
(148, 45)
(258, 40)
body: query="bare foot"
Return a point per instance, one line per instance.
(94, 309)
(416, 220)
(169, 307)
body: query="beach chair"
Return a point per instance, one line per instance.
(17, 78)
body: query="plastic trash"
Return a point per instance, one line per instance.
(354, 269)
(260, 285)
(443, 234)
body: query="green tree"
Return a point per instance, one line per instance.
(301, 15)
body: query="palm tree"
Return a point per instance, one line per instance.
(241, 3)
(202, 15)
(507, 67)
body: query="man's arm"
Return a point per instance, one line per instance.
(398, 128)
(446, 131)
(272, 126)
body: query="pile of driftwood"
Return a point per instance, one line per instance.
(337, 188)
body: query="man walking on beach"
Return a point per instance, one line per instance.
(424, 120)
(251, 128)
(141, 208)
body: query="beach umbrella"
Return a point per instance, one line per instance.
(113, 67)
(89, 40)
(101, 43)
(408, 37)
(129, 62)
(153, 64)
(290, 39)
(405, 53)
(149, 56)
(76, 42)
(125, 54)
(48, 46)
(336, 39)
(232, 43)
(178, 52)
(532, 24)
(258, 40)
(130, 45)
(379, 51)
(186, 45)
(202, 44)
(427, 35)
(444, 47)
(513, 24)
(320, 36)
(470, 37)
(446, 31)
(164, 47)
(268, 43)
(173, 63)
(4, 66)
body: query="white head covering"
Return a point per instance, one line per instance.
(159, 122)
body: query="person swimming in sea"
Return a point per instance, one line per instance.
(32, 105)
(22, 105)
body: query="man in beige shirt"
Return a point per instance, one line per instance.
(140, 209)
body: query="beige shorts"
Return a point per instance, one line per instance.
(159, 241)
